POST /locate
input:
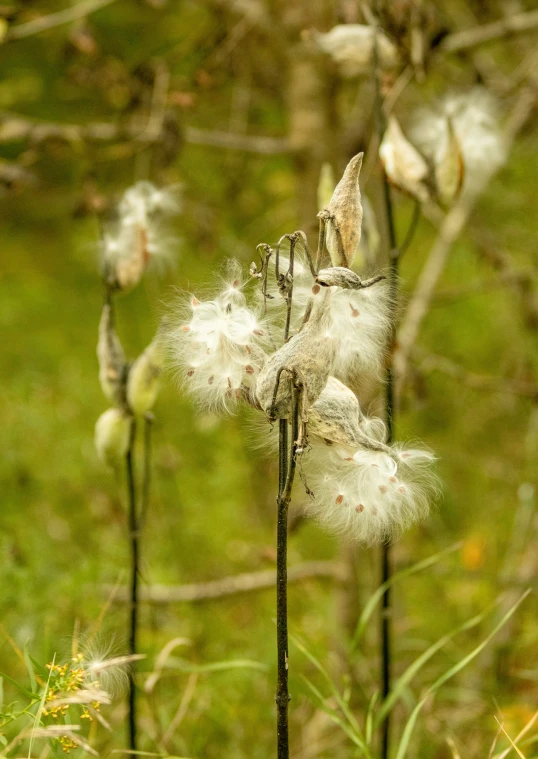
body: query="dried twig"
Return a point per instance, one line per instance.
(230, 586)
(479, 35)
(15, 127)
(55, 19)
(431, 362)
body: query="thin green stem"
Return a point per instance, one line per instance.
(133, 606)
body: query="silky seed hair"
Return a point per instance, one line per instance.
(217, 346)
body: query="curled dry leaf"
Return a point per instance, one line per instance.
(344, 216)
(405, 167)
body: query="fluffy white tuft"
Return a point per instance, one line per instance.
(361, 320)
(476, 126)
(138, 237)
(366, 495)
(218, 347)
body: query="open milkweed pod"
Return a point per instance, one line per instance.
(351, 47)
(143, 382)
(449, 168)
(310, 354)
(343, 216)
(336, 418)
(404, 166)
(111, 358)
(112, 434)
(340, 276)
(136, 238)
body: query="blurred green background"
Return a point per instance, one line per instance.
(233, 68)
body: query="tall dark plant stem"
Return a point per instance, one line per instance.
(386, 563)
(282, 693)
(133, 606)
(287, 463)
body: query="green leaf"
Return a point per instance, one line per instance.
(378, 594)
(411, 671)
(1, 693)
(23, 690)
(39, 668)
(30, 668)
(404, 741)
(350, 717)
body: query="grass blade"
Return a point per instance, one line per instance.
(378, 594)
(413, 668)
(404, 741)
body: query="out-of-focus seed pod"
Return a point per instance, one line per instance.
(144, 378)
(351, 47)
(449, 168)
(325, 186)
(405, 167)
(111, 358)
(112, 433)
(126, 270)
(344, 216)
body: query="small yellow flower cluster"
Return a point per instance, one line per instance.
(67, 744)
(66, 679)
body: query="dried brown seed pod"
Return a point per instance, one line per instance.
(343, 216)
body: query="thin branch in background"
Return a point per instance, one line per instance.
(134, 601)
(479, 35)
(215, 590)
(430, 362)
(38, 25)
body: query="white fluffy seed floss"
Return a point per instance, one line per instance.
(325, 329)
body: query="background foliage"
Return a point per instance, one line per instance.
(191, 71)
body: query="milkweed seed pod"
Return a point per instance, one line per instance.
(137, 239)
(351, 47)
(334, 417)
(344, 216)
(112, 365)
(404, 166)
(473, 119)
(112, 433)
(367, 495)
(310, 354)
(361, 319)
(143, 381)
(218, 347)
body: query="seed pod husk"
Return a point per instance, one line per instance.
(111, 358)
(344, 216)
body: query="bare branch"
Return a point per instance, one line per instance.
(431, 362)
(234, 585)
(479, 35)
(55, 19)
(14, 127)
